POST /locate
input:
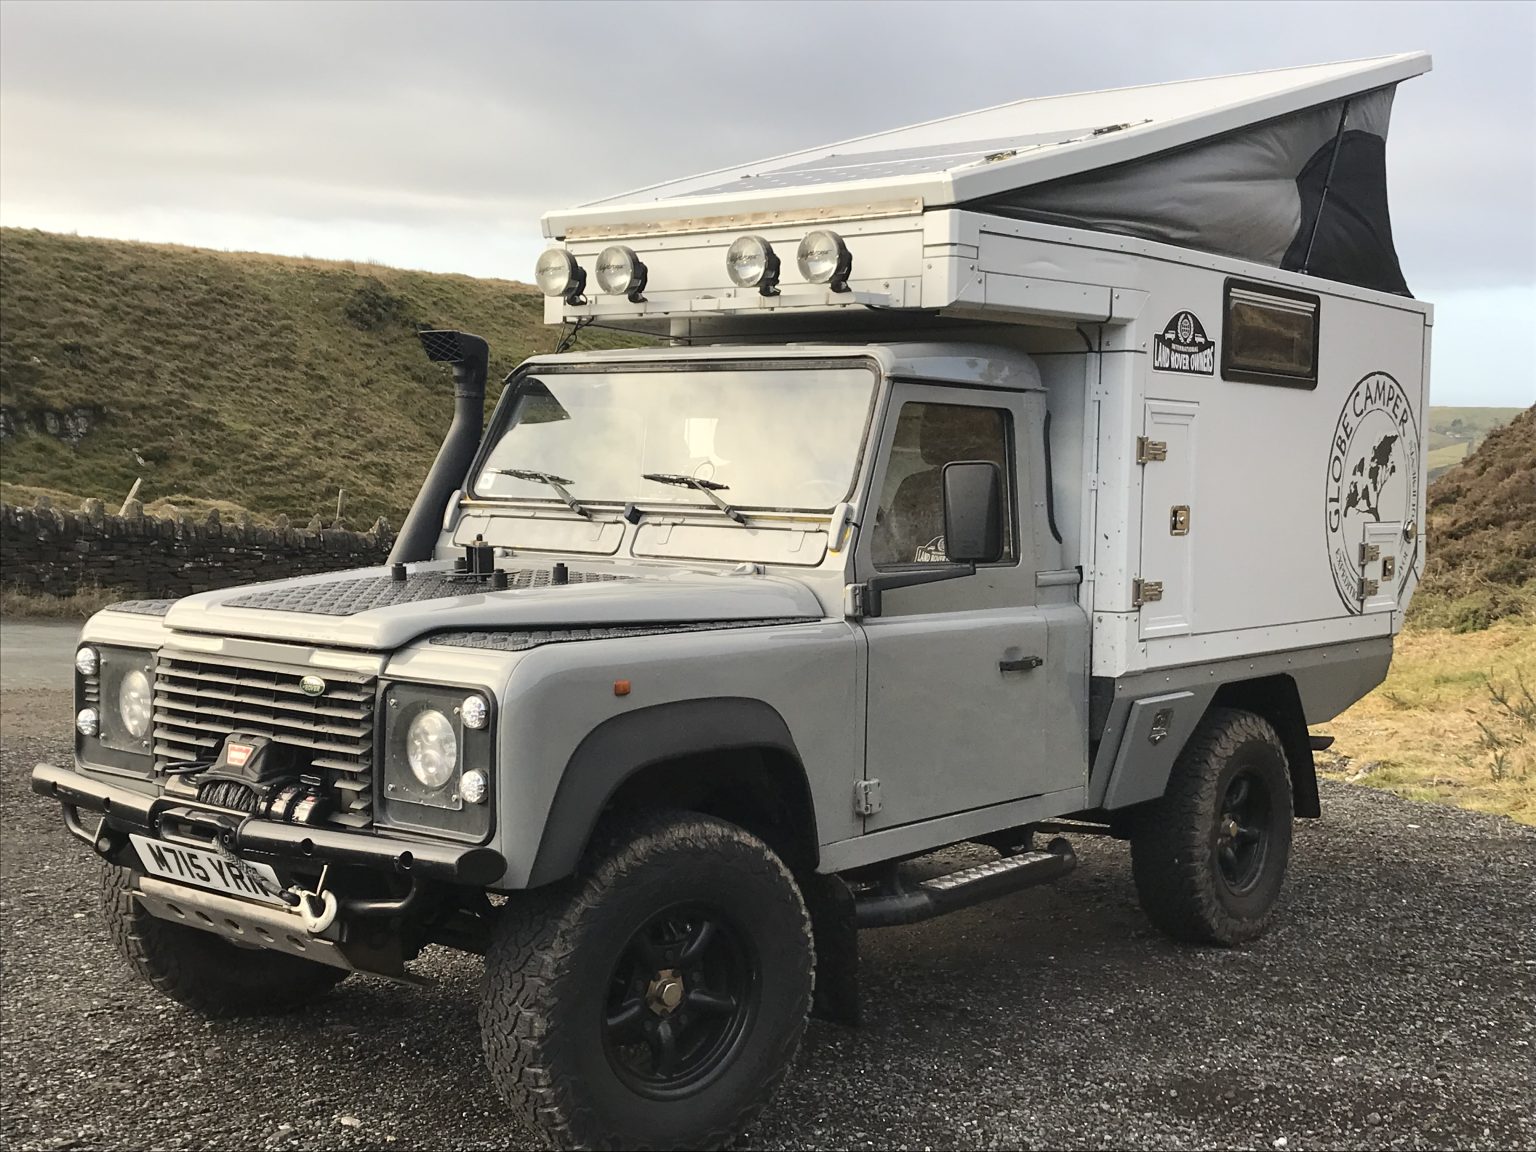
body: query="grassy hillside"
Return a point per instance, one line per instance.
(263, 381)
(1451, 434)
(1481, 526)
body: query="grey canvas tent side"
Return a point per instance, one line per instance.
(1305, 192)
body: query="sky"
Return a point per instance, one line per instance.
(435, 135)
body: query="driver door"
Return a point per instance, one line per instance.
(949, 728)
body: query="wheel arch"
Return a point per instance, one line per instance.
(727, 756)
(1277, 699)
(1141, 764)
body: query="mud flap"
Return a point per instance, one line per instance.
(830, 903)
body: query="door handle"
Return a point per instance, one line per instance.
(1024, 664)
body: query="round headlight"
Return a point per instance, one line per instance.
(473, 787)
(558, 274)
(620, 272)
(824, 259)
(133, 703)
(474, 712)
(431, 748)
(86, 662)
(750, 263)
(87, 722)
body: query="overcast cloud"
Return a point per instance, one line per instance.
(434, 135)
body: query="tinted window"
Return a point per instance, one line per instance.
(1270, 336)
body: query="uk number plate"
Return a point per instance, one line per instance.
(244, 878)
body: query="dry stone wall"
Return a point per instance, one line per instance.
(44, 550)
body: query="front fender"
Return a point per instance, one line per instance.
(623, 745)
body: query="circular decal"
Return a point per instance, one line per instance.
(1186, 327)
(1373, 478)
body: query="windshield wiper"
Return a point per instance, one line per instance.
(708, 487)
(558, 483)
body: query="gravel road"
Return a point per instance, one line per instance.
(1392, 1006)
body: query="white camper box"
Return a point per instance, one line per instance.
(1223, 496)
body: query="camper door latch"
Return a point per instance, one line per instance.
(1149, 450)
(1145, 592)
(866, 797)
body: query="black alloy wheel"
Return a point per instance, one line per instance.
(681, 999)
(1242, 832)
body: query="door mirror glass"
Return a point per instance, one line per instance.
(973, 512)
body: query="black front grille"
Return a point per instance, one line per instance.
(200, 700)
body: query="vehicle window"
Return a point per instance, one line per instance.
(762, 436)
(909, 524)
(1270, 336)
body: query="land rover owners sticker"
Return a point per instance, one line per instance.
(1183, 346)
(1373, 477)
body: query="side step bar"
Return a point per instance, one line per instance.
(908, 905)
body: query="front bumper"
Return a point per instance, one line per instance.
(128, 810)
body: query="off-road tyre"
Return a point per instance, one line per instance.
(1182, 879)
(203, 971)
(557, 962)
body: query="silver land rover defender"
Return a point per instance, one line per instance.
(707, 641)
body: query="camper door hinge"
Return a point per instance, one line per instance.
(1149, 450)
(1145, 592)
(1369, 588)
(866, 797)
(1369, 553)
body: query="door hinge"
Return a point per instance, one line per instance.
(1369, 588)
(1145, 592)
(1149, 450)
(866, 797)
(856, 601)
(1369, 553)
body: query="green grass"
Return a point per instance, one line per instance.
(260, 381)
(1435, 729)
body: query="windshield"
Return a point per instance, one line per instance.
(769, 437)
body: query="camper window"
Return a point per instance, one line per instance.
(1269, 336)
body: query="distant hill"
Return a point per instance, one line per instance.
(1481, 517)
(262, 381)
(1454, 433)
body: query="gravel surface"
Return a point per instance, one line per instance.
(1393, 1005)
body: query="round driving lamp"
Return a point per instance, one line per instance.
(87, 722)
(620, 273)
(558, 274)
(87, 663)
(431, 748)
(824, 259)
(475, 712)
(750, 263)
(474, 787)
(134, 703)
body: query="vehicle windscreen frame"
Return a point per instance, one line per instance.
(498, 424)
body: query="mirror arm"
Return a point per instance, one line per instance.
(885, 581)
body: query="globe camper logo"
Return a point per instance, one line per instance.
(1183, 346)
(1373, 478)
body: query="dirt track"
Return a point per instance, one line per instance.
(1393, 1006)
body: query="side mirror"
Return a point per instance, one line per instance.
(973, 512)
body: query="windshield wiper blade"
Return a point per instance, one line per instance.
(558, 483)
(708, 487)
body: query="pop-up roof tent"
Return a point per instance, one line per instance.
(1285, 168)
